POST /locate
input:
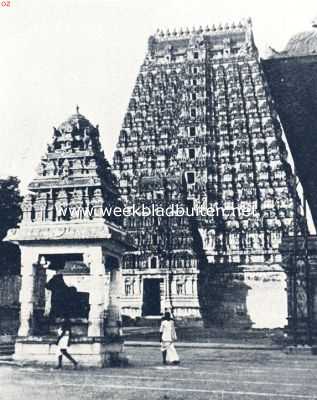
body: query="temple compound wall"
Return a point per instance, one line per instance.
(300, 261)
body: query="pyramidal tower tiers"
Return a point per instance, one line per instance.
(201, 128)
(74, 180)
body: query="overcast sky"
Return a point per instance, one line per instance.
(56, 54)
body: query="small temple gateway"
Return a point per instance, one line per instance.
(70, 252)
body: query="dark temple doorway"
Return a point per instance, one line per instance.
(151, 297)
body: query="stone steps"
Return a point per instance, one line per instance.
(6, 349)
(149, 321)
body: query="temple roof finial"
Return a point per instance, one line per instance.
(77, 109)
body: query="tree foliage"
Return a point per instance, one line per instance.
(10, 200)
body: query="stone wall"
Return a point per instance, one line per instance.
(9, 303)
(9, 290)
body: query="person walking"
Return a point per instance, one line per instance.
(63, 344)
(167, 339)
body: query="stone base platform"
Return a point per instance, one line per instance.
(87, 351)
(236, 296)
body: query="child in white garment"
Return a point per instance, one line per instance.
(63, 344)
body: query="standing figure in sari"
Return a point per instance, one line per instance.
(167, 338)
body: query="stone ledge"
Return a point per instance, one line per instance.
(75, 340)
(87, 353)
(305, 349)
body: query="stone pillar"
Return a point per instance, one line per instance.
(195, 286)
(188, 286)
(27, 292)
(107, 290)
(113, 330)
(48, 293)
(96, 293)
(167, 303)
(173, 286)
(115, 294)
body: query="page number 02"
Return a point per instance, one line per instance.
(5, 3)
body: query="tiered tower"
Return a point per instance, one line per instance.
(74, 180)
(201, 128)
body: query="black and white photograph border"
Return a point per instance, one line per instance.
(158, 199)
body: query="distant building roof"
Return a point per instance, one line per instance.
(303, 43)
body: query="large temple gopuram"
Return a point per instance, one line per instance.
(202, 127)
